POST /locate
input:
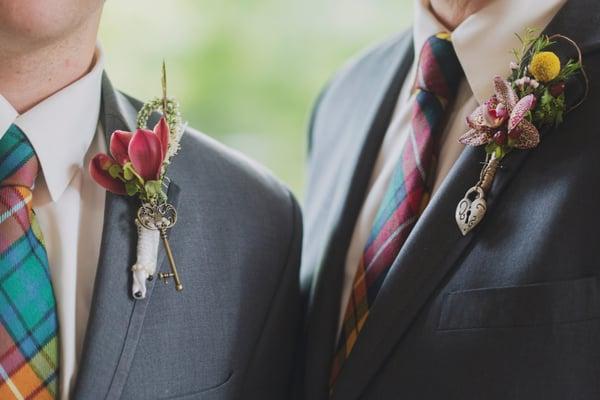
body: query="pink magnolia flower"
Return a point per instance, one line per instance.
(99, 167)
(504, 112)
(144, 149)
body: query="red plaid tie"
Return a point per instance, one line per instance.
(438, 76)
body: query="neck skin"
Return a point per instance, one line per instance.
(452, 13)
(31, 74)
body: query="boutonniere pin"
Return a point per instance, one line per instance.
(137, 167)
(530, 100)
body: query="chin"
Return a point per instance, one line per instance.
(39, 22)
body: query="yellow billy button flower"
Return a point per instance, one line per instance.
(545, 66)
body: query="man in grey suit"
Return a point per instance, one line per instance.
(408, 307)
(230, 334)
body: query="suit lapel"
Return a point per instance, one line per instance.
(433, 249)
(115, 318)
(325, 300)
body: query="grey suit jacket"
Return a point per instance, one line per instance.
(511, 311)
(231, 333)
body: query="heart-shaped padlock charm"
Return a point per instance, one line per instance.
(471, 210)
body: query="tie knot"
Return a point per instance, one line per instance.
(439, 70)
(18, 163)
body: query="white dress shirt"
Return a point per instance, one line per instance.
(483, 44)
(65, 134)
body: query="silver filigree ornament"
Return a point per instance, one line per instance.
(161, 216)
(472, 208)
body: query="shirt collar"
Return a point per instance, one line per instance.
(483, 45)
(7, 115)
(61, 127)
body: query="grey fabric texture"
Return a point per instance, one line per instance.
(512, 310)
(232, 332)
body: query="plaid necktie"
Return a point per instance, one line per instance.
(438, 76)
(28, 321)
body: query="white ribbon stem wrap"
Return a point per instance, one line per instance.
(147, 254)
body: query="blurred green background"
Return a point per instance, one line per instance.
(245, 71)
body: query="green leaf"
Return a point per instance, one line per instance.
(129, 173)
(571, 68)
(550, 110)
(115, 171)
(153, 188)
(499, 152)
(132, 188)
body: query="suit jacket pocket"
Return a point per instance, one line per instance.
(207, 391)
(515, 306)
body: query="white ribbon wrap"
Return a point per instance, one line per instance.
(147, 254)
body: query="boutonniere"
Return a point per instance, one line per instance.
(530, 100)
(137, 167)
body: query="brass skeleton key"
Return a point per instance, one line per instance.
(165, 276)
(162, 217)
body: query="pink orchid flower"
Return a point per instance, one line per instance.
(144, 149)
(502, 116)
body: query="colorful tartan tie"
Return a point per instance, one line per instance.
(438, 76)
(28, 322)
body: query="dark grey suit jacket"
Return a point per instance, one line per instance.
(511, 311)
(231, 333)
